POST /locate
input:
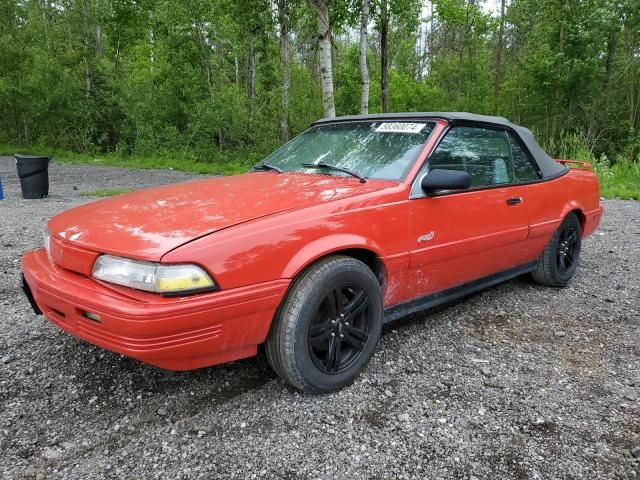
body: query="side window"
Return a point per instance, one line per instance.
(483, 153)
(524, 166)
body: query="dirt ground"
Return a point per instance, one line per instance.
(519, 381)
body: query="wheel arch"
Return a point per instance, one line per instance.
(577, 208)
(357, 248)
(581, 218)
(370, 259)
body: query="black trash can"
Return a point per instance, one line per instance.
(34, 175)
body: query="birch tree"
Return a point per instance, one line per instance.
(321, 8)
(88, 72)
(499, 48)
(383, 24)
(362, 58)
(284, 19)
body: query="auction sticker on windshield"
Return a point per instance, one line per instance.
(400, 127)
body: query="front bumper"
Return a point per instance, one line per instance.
(171, 333)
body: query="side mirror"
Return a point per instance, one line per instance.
(445, 180)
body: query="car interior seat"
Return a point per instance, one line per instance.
(500, 172)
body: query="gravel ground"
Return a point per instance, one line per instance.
(519, 381)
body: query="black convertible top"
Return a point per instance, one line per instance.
(547, 165)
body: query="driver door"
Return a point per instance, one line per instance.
(460, 236)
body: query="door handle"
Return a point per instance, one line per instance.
(514, 200)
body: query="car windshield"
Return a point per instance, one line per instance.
(384, 150)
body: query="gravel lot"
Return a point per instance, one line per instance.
(519, 381)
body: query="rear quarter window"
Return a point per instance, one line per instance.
(525, 168)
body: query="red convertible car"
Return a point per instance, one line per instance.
(358, 221)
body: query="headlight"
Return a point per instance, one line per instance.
(152, 277)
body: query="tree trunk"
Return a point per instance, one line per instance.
(85, 40)
(116, 59)
(556, 105)
(152, 43)
(633, 87)
(431, 43)
(384, 54)
(98, 31)
(251, 85)
(611, 61)
(324, 45)
(44, 6)
(205, 54)
(152, 48)
(364, 69)
(283, 16)
(496, 91)
(422, 53)
(99, 49)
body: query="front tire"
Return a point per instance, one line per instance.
(559, 260)
(327, 328)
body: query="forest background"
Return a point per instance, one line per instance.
(213, 86)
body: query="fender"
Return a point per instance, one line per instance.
(570, 207)
(548, 227)
(324, 246)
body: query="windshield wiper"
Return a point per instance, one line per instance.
(266, 166)
(328, 166)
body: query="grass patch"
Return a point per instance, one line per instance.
(221, 163)
(623, 182)
(619, 178)
(106, 192)
(623, 193)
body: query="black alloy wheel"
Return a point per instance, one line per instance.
(559, 260)
(566, 250)
(340, 329)
(328, 325)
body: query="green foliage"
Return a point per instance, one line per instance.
(618, 179)
(225, 163)
(624, 182)
(106, 192)
(198, 85)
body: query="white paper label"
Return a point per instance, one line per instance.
(400, 127)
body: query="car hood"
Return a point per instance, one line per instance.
(149, 223)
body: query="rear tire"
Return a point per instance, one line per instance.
(559, 260)
(328, 326)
